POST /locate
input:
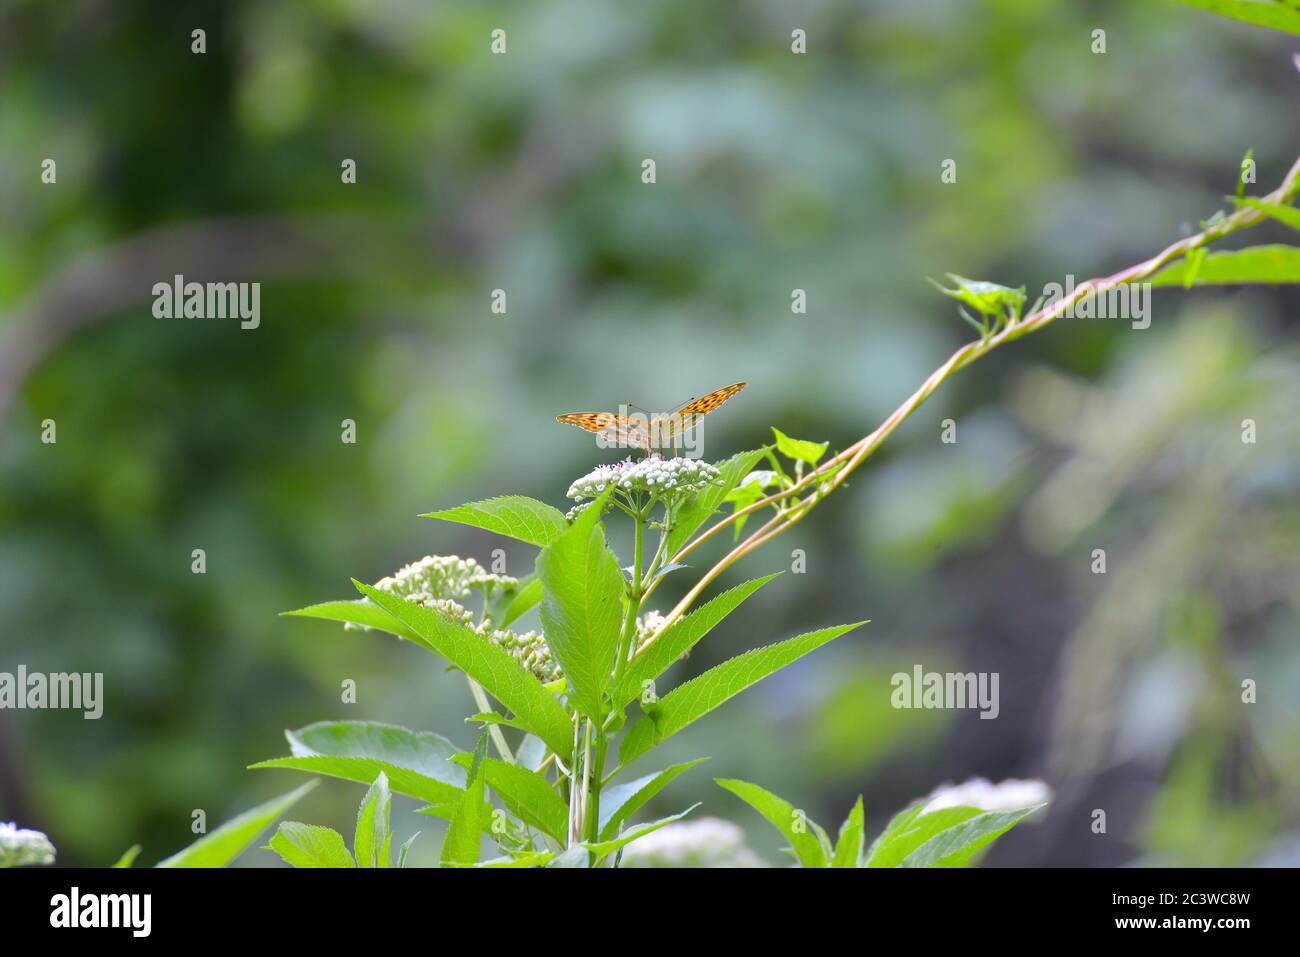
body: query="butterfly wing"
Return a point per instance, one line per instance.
(711, 401)
(686, 418)
(623, 430)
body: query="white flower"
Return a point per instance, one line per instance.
(1009, 795)
(707, 842)
(20, 846)
(441, 576)
(436, 580)
(676, 477)
(647, 625)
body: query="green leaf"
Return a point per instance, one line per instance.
(503, 677)
(307, 845)
(128, 856)
(700, 695)
(491, 717)
(528, 596)
(987, 298)
(955, 846)
(356, 613)
(697, 510)
(1260, 13)
(582, 609)
(848, 849)
(575, 856)
(1287, 215)
(405, 849)
(527, 859)
(681, 636)
(800, 450)
(515, 516)
(527, 795)
(943, 838)
(372, 835)
(784, 816)
(888, 848)
(464, 839)
(617, 804)
(604, 848)
(1259, 264)
(416, 764)
(223, 845)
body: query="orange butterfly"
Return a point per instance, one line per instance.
(650, 433)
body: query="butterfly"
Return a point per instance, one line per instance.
(648, 433)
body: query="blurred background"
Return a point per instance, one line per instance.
(522, 172)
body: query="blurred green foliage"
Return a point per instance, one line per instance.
(522, 172)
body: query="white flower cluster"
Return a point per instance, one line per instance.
(1009, 795)
(647, 625)
(529, 649)
(677, 476)
(708, 842)
(20, 847)
(438, 579)
(441, 576)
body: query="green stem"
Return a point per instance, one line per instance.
(634, 593)
(494, 731)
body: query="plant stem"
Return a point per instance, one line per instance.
(494, 732)
(634, 594)
(831, 474)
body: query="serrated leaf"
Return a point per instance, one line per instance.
(942, 838)
(619, 803)
(220, 847)
(527, 598)
(527, 859)
(356, 613)
(955, 846)
(681, 636)
(602, 849)
(697, 510)
(800, 450)
(581, 610)
(784, 816)
(1287, 215)
(527, 795)
(308, 845)
(405, 850)
(697, 697)
(464, 841)
(515, 516)
(848, 848)
(371, 841)
(1272, 264)
(1260, 13)
(503, 677)
(416, 764)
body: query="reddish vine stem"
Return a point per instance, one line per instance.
(831, 474)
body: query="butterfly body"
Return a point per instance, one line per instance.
(650, 433)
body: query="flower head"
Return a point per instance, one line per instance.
(438, 581)
(436, 577)
(676, 477)
(1009, 795)
(20, 846)
(708, 842)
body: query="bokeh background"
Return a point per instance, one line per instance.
(522, 172)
